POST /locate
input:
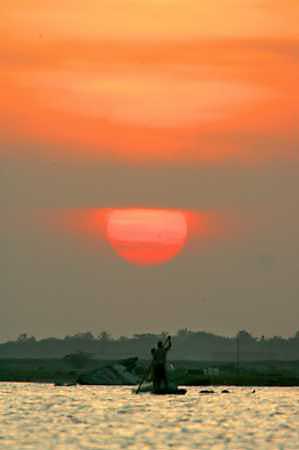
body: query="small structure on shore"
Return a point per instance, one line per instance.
(124, 372)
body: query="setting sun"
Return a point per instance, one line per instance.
(142, 236)
(146, 236)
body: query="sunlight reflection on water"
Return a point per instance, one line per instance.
(42, 417)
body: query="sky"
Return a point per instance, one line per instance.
(168, 105)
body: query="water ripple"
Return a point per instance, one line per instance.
(37, 416)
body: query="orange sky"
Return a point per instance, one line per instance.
(152, 80)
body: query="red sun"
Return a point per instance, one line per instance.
(146, 236)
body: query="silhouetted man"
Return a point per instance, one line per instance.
(159, 364)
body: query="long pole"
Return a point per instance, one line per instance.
(145, 375)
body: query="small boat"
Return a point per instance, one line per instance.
(177, 391)
(171, 390)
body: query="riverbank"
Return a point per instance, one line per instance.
(184, 373)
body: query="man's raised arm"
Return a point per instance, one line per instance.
(168, 344)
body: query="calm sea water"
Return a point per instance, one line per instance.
(41, 417)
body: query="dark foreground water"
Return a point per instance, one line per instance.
(41, 417)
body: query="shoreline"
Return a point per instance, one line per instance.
(184, 373)
(54, 383)
(219, 381)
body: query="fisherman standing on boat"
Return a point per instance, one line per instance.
(159, 364)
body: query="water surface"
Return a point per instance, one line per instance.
(42, 417)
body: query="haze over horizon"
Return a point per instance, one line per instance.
(108, 107)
